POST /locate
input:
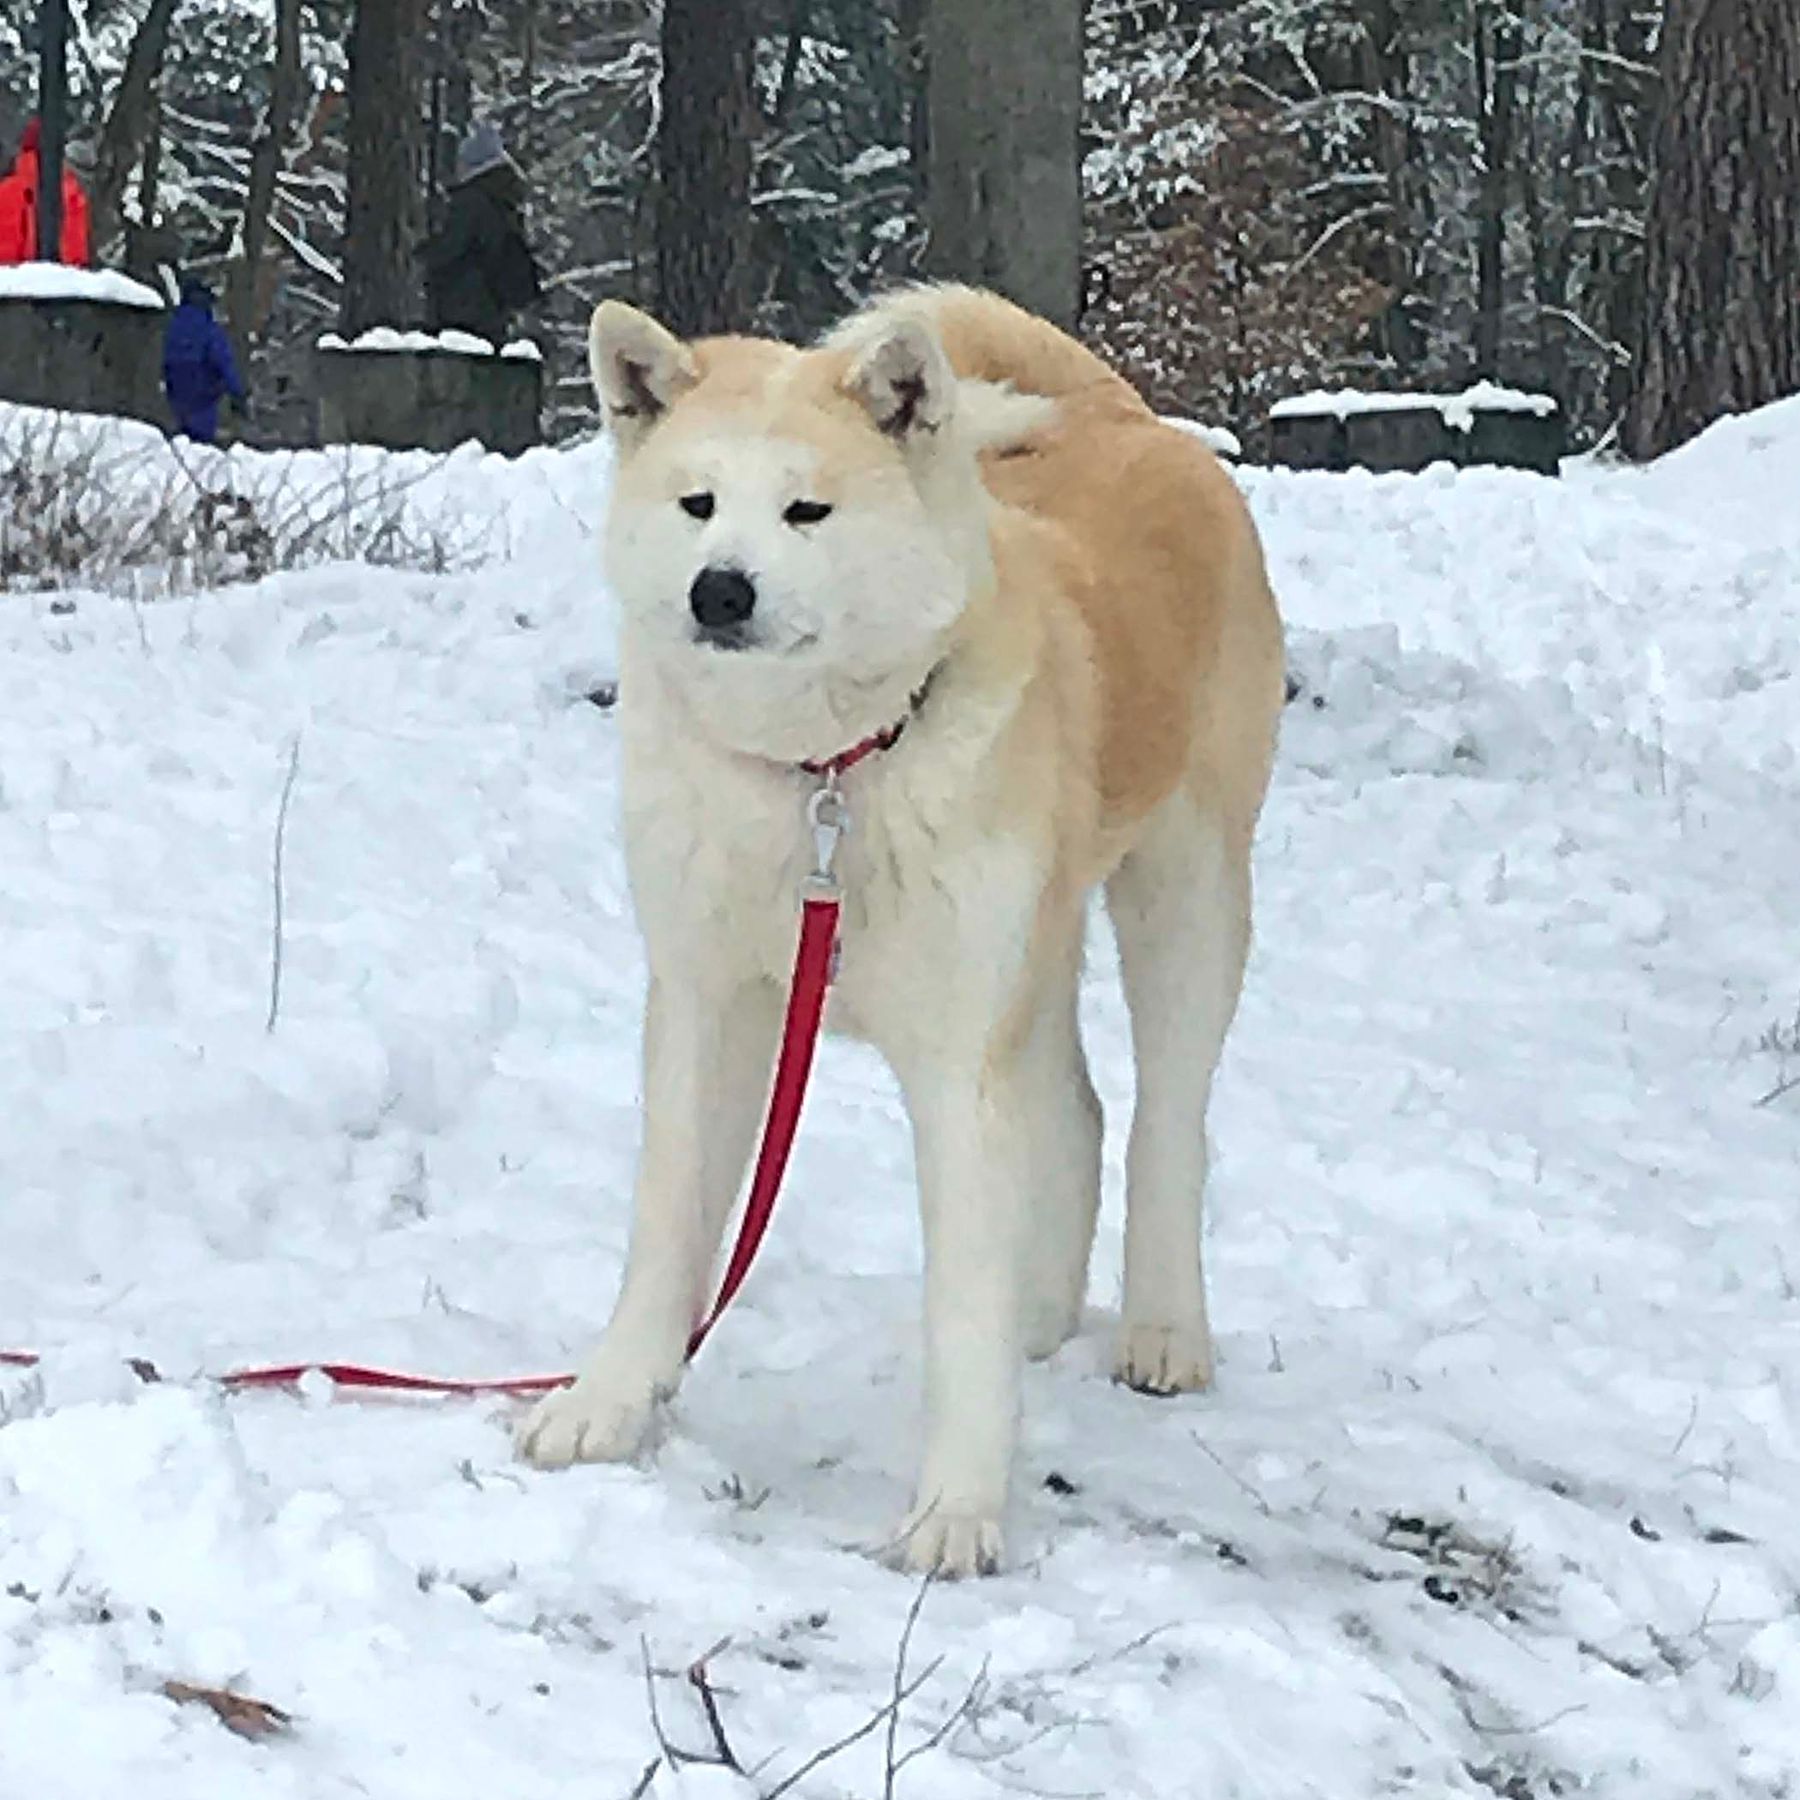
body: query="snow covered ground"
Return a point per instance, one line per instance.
(1496, 1493)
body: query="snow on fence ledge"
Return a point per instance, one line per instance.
(57, 281)
(1485, 424)
(444, 343)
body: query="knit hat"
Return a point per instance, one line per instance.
(479, 152)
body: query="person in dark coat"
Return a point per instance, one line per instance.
(199, 369)
(478, 267)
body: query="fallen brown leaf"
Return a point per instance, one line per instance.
(236, 1712)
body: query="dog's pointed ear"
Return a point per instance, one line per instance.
(904, 380)
(640, 369)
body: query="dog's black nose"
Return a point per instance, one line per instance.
(722, 598)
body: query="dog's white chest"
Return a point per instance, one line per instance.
(718, 867)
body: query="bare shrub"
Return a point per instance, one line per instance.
(1782, 1043)
(84, 503)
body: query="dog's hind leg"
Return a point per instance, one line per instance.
(1065, 1125)
(707, 1058)
(1180, 905)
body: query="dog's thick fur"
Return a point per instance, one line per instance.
(1078, 592)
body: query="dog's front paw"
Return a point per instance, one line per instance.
(589, 1421)
(1164, 1359)
(949, 1544)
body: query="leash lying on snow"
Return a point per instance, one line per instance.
(815, 964)
(350, 1375)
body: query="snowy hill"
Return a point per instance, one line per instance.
(1495, 1494)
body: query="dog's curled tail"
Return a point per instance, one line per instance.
(1009, 360)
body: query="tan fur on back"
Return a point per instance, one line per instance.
(1159, 557)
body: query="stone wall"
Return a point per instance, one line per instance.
(1409, 438)
(90, 356)
(403, 399)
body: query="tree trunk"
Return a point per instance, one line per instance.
(150, 169)
(1003, 199)
(1550, 244)
(152, 250)
(911, 21)
(455, 29)
(129, 120)
(383, 188)
(53, 121)
(528, 81)
(704, 158)
(265, 169)
(1722, 278)
(1497, 49)
(1629, 111)
(1384, 68)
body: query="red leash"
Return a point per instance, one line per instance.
(815, 963)
(799, 1038)
(350, 1375)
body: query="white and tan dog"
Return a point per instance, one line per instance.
(950, 517)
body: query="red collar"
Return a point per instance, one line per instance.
(848, 759)
(874, 745)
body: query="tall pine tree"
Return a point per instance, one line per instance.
(705, 149)
(1722, 312)
(1003, 182)
(383, 186)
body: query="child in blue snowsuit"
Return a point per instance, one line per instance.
(198, 367)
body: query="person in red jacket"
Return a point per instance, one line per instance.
(18, 209)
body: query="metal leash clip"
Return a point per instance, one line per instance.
(829, 816)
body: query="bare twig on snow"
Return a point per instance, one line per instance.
(278, 880)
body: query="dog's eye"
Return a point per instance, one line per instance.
(697, 506)
(807, 512)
